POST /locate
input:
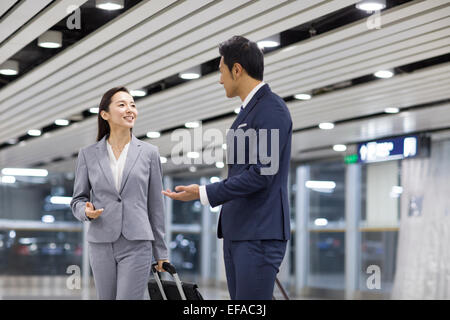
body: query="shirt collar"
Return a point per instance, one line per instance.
(251, 94)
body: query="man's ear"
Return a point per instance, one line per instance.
(237, 70)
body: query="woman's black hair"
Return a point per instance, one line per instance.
(103, 125)
(245, 52)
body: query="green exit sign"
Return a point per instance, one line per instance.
(351, 158)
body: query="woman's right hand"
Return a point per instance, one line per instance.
(91, 212)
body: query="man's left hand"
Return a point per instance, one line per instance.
(184, 193)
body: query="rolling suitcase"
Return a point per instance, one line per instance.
(171, 290)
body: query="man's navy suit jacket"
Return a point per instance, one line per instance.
(255, 206)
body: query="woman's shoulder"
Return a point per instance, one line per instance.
(149, 147)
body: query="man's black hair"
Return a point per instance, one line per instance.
(245, 52)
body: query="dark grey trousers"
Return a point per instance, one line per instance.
(121, 269)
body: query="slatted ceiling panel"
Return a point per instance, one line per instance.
(369, 129)
(66, 78)
(216, 93)
(205, 97)
(73, 138)
(74, 103)
(307, 118)
(122, 79)
(396, 20)
(40, 23)
(361, 53)
(377, 94)
(19, 16)
(350, 132)
(69, 58)
(5, 5)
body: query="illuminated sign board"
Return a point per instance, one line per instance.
(393, 148)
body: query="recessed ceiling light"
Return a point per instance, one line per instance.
(302, 96)
(190, 74)
(109, 4)
(25, 172)
(392, 110)
(9, 68)
(93, 110)
(61, 122)
(192, 124)
(384, 74)
(326, 125)
(50, 39)
(339, 147)
(163, 159)
(192, 169)
(371, 5)
(153, 134)
(138, 93)
(273, 41)
(34, 132)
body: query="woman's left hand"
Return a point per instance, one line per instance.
(159, 267)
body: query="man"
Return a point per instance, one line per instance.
(254, 221)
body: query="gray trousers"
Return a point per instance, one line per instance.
(121, 269)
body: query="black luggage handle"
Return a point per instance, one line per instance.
(170, 268)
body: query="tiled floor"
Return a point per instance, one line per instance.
(50, 288)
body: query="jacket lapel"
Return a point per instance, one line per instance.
(244, 113)
(103, 160)
(134, 149)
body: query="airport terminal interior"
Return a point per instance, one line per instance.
(367, 84)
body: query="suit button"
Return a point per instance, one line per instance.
(119, 200)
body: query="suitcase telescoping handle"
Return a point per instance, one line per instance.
(170, 268)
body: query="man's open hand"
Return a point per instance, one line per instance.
(184, 193)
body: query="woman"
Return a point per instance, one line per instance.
(122, 177)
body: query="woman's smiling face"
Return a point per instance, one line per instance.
(122, 111)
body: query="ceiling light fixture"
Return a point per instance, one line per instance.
(50, 39)
(34, 132)
(9, 68)
(190, 74)
(153, 134)
(192, 124)
(109, 5)
(384, 74)
(302, 96)
(25, 172)
(371, 5)
(271, 42)
(326, 125)
(61, 122)
(339, 147)
(392, 110)
(138, 93)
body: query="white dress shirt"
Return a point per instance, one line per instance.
(202, 189)
(117, 165)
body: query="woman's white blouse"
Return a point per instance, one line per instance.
(117, 165)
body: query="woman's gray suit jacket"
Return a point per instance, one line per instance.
(137, 211)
